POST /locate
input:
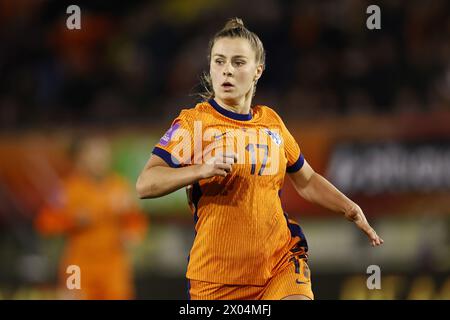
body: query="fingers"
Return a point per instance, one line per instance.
(228, 160)
(223, 166)
(223, 163)
(222, 169)
(358, 217)
(228, 157)
(375, 240)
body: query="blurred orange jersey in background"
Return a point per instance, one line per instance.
(98, 218)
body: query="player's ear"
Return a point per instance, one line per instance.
(259, 71)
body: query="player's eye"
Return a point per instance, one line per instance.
(239, 63)
(219, 61)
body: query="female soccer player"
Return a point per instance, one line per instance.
(232, 157)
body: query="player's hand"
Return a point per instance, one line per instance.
(219, 165)
(356, 215)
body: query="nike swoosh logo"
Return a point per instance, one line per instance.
(220, 135)
(300, 282)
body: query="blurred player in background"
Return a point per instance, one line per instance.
(97, 213)
(245, 246)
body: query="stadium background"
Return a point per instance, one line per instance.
(370, 109)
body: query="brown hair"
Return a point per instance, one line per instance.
(234, 28)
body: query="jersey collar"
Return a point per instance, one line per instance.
(228, 113)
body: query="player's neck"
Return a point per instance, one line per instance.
(241, 107)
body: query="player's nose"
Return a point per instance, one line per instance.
(227, 70)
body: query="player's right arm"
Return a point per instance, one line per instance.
(158, 178)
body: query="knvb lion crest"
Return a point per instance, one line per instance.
(274, 136)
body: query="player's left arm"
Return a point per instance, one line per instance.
(315, 188)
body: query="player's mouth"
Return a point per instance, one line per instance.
(227, 85)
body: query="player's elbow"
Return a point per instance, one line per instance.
(145, 187)
(140, 190)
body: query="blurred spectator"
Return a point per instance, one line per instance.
(138, 61)
(96, 212)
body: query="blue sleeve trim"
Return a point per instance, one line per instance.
(166, 156)
(297, 165)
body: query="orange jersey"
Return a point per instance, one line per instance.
(97, 218)
(242, 232)
(96, 215)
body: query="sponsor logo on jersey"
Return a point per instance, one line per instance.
(168, 135)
